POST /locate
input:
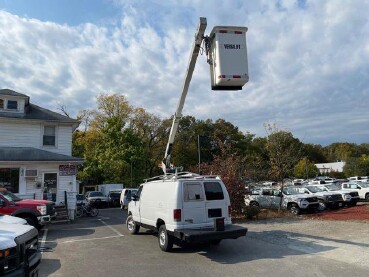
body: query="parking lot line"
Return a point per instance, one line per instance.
(43, 240)
(78, 240)
(111, 228)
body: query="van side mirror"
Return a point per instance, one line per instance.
(134, 198)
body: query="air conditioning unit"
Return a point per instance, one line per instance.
(31, 173)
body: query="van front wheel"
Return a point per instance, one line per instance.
(132, 227)
(165, 240)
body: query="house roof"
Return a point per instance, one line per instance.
(30, 154)
(10, 92)
(34, 112)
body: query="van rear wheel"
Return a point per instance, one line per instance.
(165, 240)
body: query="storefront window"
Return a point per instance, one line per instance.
(9, 179)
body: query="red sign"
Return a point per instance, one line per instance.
(67, 170)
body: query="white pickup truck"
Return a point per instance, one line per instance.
(292, 199)
(350, 197)
(361, 188)
(19, 254)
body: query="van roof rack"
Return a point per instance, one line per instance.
(181, 175)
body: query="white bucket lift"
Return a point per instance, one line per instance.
(228, 58)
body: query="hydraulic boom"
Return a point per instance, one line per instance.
(178, 115)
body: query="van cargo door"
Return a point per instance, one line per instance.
(194, 212)
(215, 202)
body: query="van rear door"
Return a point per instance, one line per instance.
(216, 203)
(194, 211)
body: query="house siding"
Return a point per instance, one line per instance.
(28, 134)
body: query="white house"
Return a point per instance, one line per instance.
(35, 149)
(330, 167)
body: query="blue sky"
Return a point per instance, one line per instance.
(308, 60)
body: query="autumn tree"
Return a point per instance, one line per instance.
(357, 166)
(227, 165)
(284, 151)
(305, 169)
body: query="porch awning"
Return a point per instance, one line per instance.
(30, 154)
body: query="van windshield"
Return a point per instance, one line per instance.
(213, 191)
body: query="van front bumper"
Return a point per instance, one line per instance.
(209, 234)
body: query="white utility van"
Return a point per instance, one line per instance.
(126, 196)
(183, 207)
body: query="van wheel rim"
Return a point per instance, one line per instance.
(131, 225)
(162, 238)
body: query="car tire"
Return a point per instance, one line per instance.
(132, 227)
(94, 212)
(367, 197)
(254, 204)
(33, 222)
(322, 205)
(215, 241)
(165, 240)
(294, 209)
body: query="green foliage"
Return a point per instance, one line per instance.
(283, 151)
(305, 169)
(251, 212)
(357, 166)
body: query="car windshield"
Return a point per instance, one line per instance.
(10, 196)
(291, 191)
(332, 187)
(364, 185)
(95, 194)
(80, 197)
(115, 194)
(314, 189)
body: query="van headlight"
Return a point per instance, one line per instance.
(42, 209)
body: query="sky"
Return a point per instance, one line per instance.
(308, 60)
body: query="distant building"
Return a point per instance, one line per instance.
(330, 167)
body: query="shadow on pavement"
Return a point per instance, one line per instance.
(49, 266)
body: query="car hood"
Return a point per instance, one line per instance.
(9, 232)
(11, 219)
(33, 202)
(97, 197)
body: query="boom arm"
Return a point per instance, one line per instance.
(177, 116)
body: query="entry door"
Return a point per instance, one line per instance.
(194, 210)
(51, 186)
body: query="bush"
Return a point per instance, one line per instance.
(251, 211)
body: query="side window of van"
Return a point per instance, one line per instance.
(213, 191)
(193, 192)
(138, 194)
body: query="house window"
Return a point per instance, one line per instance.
(1, 104)
(49, 135)
(9, 179)
(12, 105)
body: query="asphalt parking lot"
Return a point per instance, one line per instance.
(282, 247)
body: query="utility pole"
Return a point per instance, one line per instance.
(199, 151)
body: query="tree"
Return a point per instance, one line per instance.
(227, 165)
(305, 169)
(283, 151)
(357, 166)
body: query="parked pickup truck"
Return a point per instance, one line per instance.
(292, 199)
(361, 188)
(326, 199)
(350, 197)
(36, 212)
(19, 253)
